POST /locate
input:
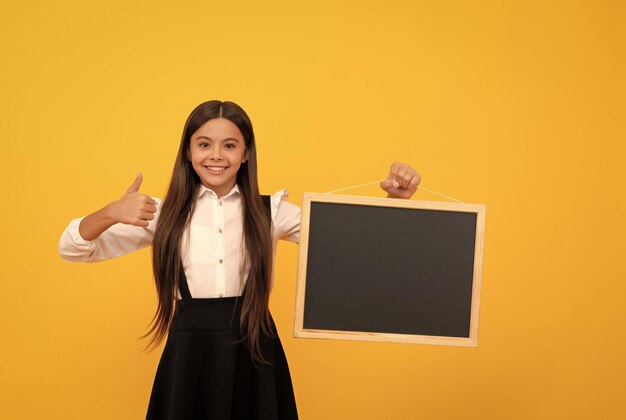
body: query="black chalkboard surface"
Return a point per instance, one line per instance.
(389, 270)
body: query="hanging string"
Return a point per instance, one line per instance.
(355, 186)
(378, 182)
(435, 192)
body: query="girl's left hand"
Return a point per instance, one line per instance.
(402, 181)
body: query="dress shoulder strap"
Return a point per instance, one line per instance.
(268, 206)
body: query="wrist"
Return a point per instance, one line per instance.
(108, 214)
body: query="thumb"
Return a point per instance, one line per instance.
(388, 184)
(134, 187)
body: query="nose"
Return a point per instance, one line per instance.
(215, 154)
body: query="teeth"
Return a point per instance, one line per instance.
(215, 168)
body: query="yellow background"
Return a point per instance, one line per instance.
(518, 105)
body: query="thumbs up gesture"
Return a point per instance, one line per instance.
(402, 181)
(133, 208)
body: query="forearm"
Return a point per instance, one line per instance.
(93, 225)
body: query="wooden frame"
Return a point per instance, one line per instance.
(301, 332)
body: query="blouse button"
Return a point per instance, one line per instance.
(220, 295)
(219, 203)
(220, 230)
(221, 260)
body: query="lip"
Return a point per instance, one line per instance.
(215, 170)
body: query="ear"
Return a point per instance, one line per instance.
(245, 157)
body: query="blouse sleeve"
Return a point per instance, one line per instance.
(117, 240)
(285, 217)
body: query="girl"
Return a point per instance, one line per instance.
(213, 242)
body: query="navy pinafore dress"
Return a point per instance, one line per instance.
(206, 372)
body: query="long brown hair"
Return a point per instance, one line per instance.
(175, 213)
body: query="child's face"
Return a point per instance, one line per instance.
(217, 150)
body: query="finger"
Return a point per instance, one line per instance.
(393, 172)
(148, 216)
(142, 223)
(401, 178)
(408, 177)
(149, 208)
(389, 184)
(134, 187)
(392, 181)
(138, 221)
(416, 180)
(146, 200)
(150, 200)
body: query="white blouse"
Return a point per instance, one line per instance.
(212, 247)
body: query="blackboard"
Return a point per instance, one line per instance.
(389, 270)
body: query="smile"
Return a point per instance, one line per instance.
(215, 169)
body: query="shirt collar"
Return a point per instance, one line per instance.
(202, 190)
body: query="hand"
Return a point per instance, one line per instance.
(402, 181)
(133, 208)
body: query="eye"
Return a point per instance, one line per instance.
(230, 145)
(203, 145)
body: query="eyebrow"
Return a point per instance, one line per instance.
(209, 138)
